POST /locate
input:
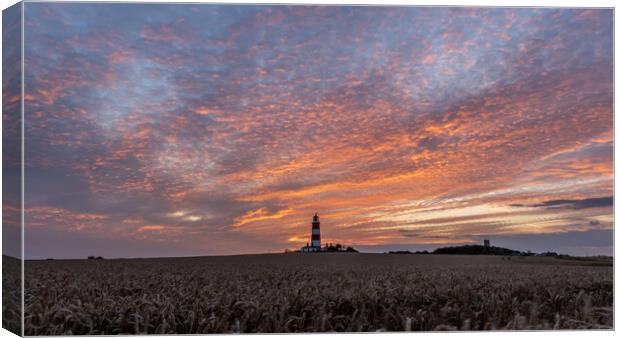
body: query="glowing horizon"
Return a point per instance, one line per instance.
(173, 130)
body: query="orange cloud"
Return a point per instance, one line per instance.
(260, 215)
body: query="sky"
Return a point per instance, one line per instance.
(188, 129)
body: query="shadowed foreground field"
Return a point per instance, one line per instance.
(316, 292)
(11, 294)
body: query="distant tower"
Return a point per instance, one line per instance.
(487, 243)
(316, 232)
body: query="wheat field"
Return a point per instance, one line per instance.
(315, 293)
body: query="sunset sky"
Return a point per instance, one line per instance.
(175, 130)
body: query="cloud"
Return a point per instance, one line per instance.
(597, 202)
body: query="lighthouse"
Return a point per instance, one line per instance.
(316, 233)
